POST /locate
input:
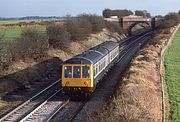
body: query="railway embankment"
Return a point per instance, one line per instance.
(38, 75)
(140, 93)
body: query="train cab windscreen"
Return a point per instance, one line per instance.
(77, 72)
(68, 71)
(85, 71)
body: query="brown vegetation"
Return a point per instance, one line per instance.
(138, 98)
(78, 29)
(114, 27)
(58, 36)
(168, 21)
(32, 44)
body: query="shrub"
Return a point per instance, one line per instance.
(78, 28)
(5, 55)
(169, 20)
(166, 24)
(31, 44)
(114, 27)
(1, 37)
(58, 36)
(97, 22)
(81, 26)
(157, 39)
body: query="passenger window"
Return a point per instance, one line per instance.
(68, 71)
(77, 72)
(94, 70)
(85, 72)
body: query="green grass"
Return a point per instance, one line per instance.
(16, 21)
(172, 76)
(27, 21)
(10, 34)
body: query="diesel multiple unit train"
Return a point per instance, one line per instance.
(82, 72)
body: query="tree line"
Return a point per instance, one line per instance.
(107, 13)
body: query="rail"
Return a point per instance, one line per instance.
(28, 101)
(37, 113)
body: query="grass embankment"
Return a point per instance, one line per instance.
(172, 76)
(15, 32)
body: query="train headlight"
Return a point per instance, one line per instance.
(66, 83)
(86, 83)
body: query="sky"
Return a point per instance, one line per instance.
(21, 8)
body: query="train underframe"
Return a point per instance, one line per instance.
(78, 91)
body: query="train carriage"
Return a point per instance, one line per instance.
(83, 71)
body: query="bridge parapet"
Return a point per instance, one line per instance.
(136, 19)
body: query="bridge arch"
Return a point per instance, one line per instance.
(129, 30)
(128, 22)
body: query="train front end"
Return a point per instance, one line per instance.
(77, 75)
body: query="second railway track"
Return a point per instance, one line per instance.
(28, 106)
(46, 110)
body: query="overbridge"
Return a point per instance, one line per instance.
(128, 22)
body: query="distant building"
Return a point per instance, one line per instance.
(114, 17)
(132, 17)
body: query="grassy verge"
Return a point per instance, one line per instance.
(172, 76)
(15, 32)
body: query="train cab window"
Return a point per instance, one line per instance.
(77, 72)
(68, 71)
(85, 72)
(94, 69)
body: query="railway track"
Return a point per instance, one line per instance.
(46, 110)
(28, 106)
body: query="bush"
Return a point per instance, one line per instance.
(78, 28)
(168, 21)
(97, 22)
(31, 44)
(58, 36)
(5, 55)
(81, 26)
(157, 39)
(74, 29)
(114, 27)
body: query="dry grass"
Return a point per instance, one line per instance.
(138, 98)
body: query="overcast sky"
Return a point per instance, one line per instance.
(20, 8)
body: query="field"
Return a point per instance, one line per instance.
(17, 21)
(10, 34)
(26, 21)
(172, 76)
